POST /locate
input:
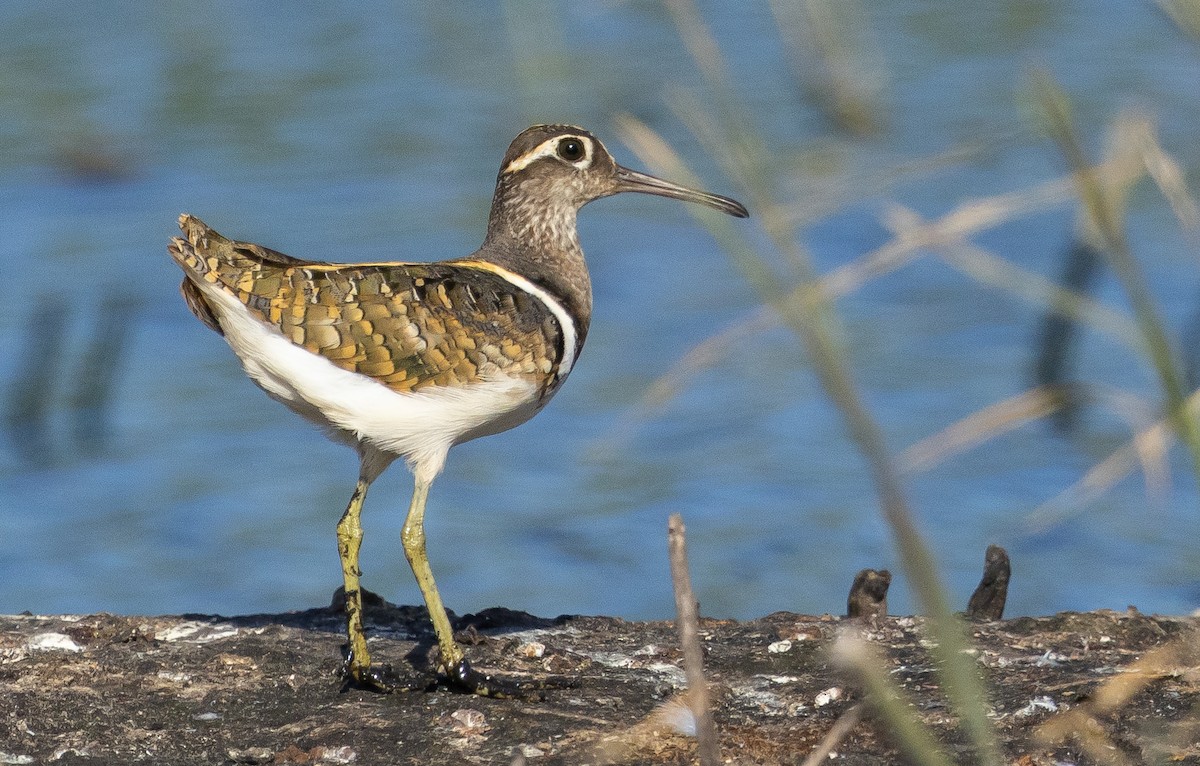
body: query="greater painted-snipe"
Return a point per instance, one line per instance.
(403, 359)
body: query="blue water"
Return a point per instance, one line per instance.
(375, 132)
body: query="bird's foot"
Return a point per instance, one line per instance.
(467, 680)
(381, 679)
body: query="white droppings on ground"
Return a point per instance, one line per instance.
(53, 642)
(196, 632)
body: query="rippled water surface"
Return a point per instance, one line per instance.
(143, 473)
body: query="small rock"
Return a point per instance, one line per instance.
(13, 654)
(251, 755)
(671, 673)
(196, 632)
(769, 703)
(469, 722)
(610, 659)
(531, 649)
(780, 647)
(1036, 704)
(796, 708)
(529, 751)
(831, 694)
(63, 752)
(343, 754)
(559, 664)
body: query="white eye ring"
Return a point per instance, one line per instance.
(552, 147)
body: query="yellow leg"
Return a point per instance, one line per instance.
(349, 535)
(459, 673)
(413, 538)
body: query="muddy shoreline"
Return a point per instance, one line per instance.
(200, 689)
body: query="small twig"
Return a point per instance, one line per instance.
(688, 623)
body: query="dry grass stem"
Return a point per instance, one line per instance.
(1185, 14)
(1148, 447)
(947, 238)
(689, 637)
(894, 709)
(825, 195)
(832, 54)
(1102, 200)
(813, 320)
(1171, 181)
(989, 269)
(1085, 725)
(979, 427)
(779, 267)
(841, 727)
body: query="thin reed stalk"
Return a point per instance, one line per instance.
(813, 320)
(1103, 213)
(913, 737)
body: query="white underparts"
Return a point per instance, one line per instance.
(420, 426)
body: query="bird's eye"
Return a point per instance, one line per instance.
(571, 149)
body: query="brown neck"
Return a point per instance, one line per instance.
(540, 242)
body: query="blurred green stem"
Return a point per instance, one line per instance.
(811, 316)
(890, 703)
(1102, 210)
(808, 312)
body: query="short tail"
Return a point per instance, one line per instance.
(207, 258)
(200, 246)
(189, 254)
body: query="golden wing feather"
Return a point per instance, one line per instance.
(405, 325)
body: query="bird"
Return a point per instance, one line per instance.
(403, 359)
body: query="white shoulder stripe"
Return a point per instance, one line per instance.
(565, 320)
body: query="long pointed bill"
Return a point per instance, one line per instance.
(633, 181)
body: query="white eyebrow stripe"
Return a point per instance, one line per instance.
(548, 148)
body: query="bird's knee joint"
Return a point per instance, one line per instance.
(413, 538)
